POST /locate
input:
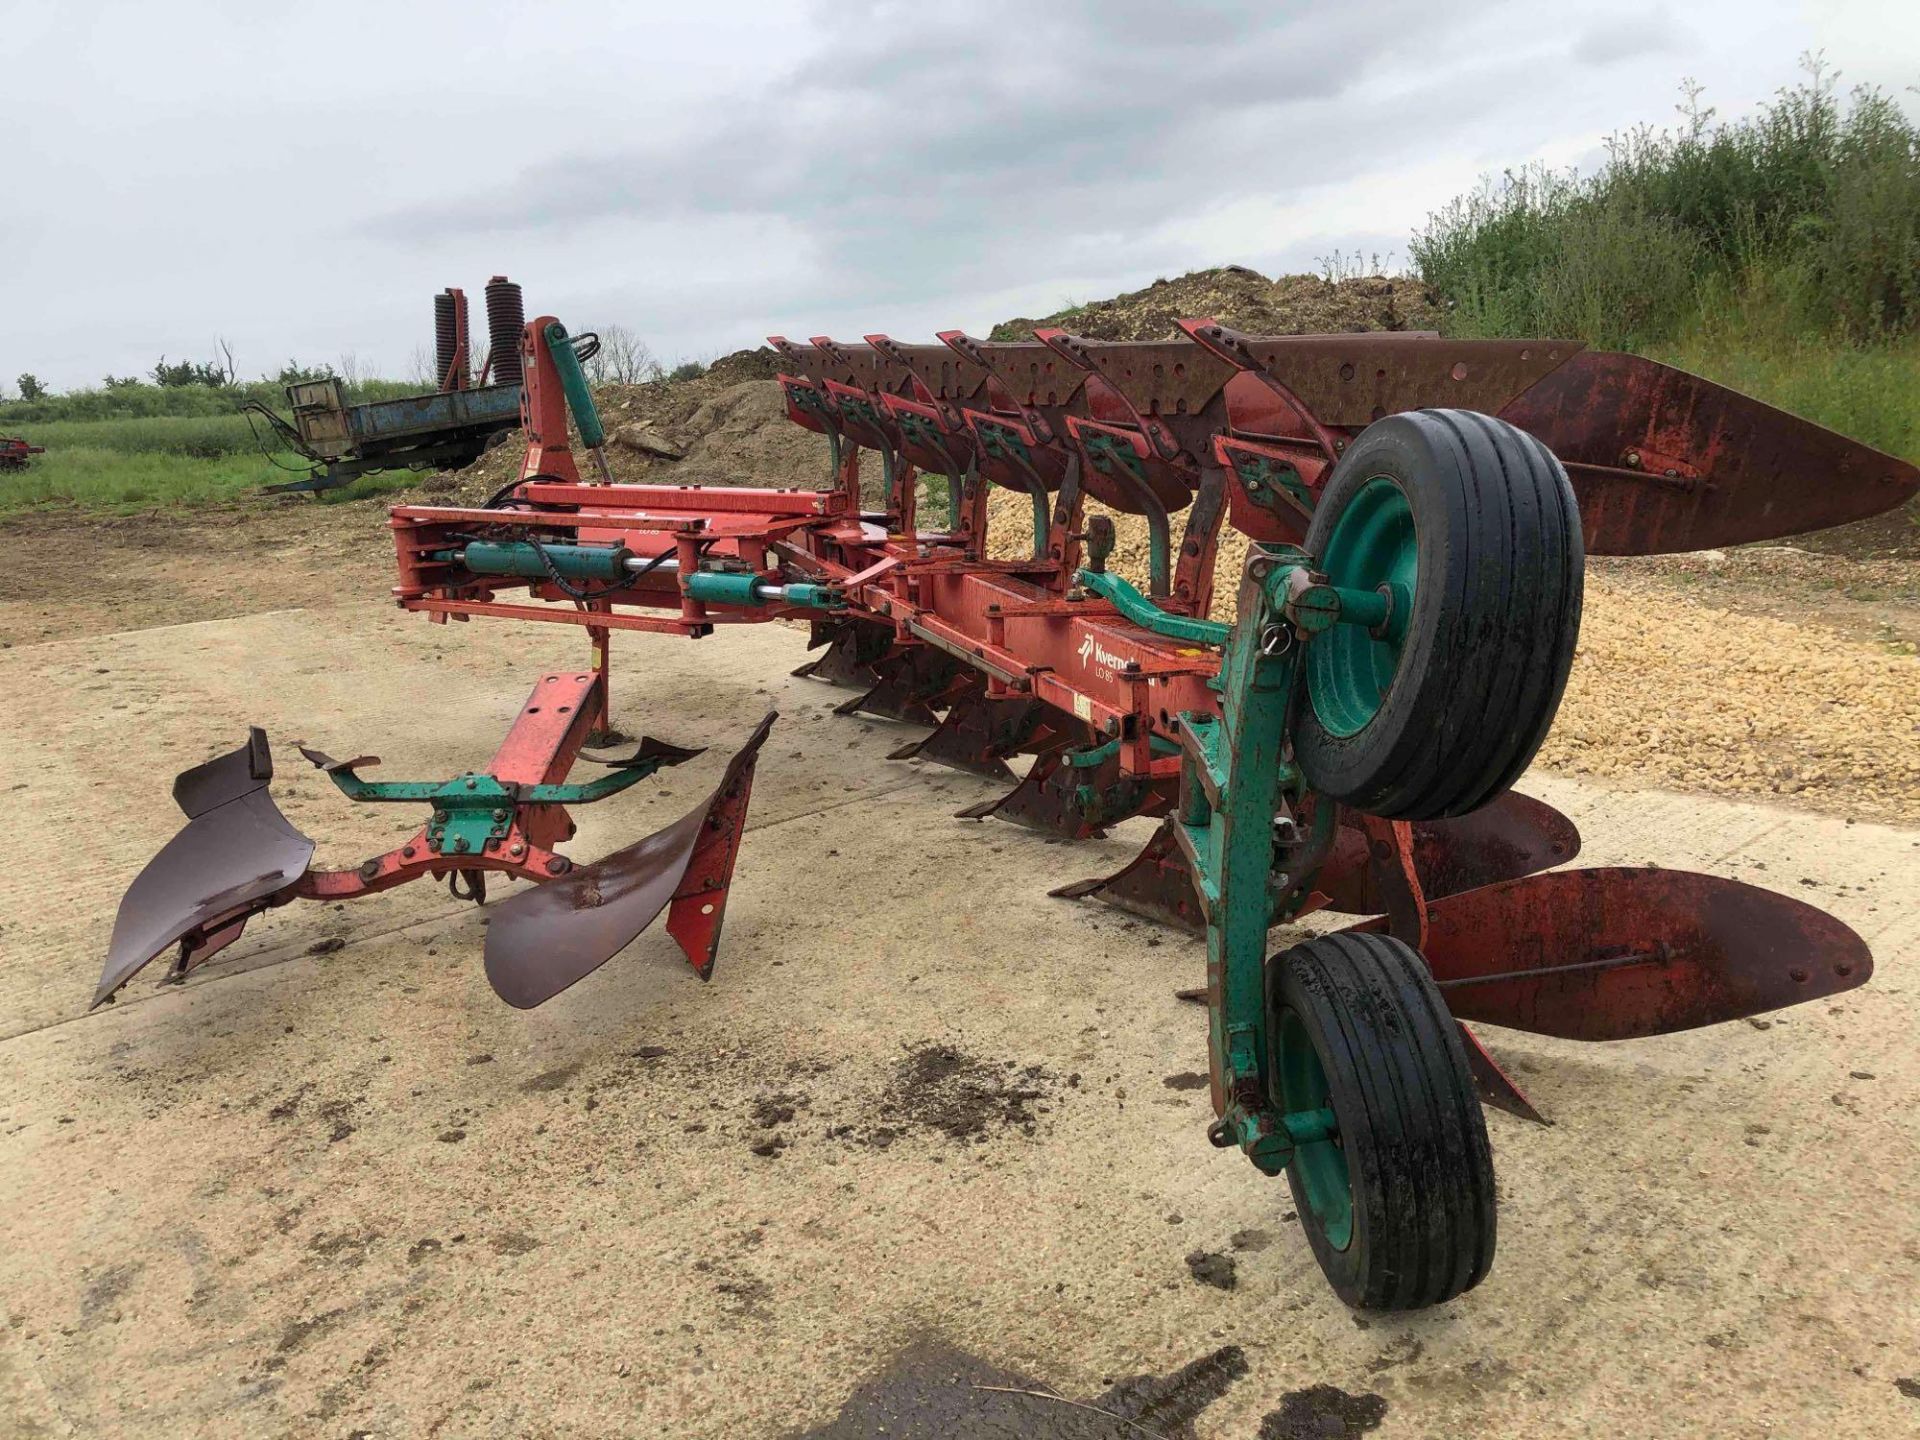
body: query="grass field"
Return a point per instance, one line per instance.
(117, 481)
(135, 462)
(135, 445)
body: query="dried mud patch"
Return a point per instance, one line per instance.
(944, 1089)
(937, 1089)
(934, 1391)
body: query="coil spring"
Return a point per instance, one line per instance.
(506, 318)
(446, 340)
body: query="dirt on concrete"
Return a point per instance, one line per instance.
(72, 572)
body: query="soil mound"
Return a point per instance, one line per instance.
(1249, 301)
(726, 426)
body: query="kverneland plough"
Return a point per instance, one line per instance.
(1419, 511)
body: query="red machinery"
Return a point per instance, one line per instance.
(14, 452)
(1420, 509)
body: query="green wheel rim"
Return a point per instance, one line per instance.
(1321, 1166)
(1349, 672)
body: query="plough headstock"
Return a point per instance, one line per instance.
(1419, 509)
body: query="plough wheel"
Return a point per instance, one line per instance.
(1398, 1203)
(1470, 527)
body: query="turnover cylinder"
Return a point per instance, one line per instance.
(506, 318)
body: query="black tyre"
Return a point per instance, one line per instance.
(1473, 525)
(1399, 1204)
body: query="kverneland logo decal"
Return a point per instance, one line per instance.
(1092, 650)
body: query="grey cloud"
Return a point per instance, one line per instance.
(1627, 37)
(985, 120)
(923, 149)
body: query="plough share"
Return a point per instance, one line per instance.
(1418, 512)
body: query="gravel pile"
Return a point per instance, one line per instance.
(1670, 691)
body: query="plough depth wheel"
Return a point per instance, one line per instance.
(1468, 531)
(1398, 1197)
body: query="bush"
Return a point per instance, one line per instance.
(1815, 201)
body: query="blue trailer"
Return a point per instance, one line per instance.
(444, 430)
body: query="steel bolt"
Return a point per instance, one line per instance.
(499, 814)
(370, 868)
(470, 784)
(516, 849)
(559, 865)
(460, 844)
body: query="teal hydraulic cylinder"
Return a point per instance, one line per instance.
(725, 587)
(574, 562)
(573, 383)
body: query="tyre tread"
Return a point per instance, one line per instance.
(1423, 1180)
(1503, 625)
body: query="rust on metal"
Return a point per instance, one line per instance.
(1513, 836)
(1494, 1086)
(1157, 884)
(1665, 461)
(1615, 953)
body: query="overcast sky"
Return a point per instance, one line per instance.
(300, 180)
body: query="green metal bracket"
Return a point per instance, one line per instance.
(1110, 456)
(1267, 480)
(805, 397)
(1235, 775)
(1002, 443)
(857, 410)
(1149, 616)
(1099, 754)
(472, 809)
(920, 431)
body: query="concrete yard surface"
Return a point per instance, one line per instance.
(926, 1157)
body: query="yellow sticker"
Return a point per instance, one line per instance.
(1082, 707)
